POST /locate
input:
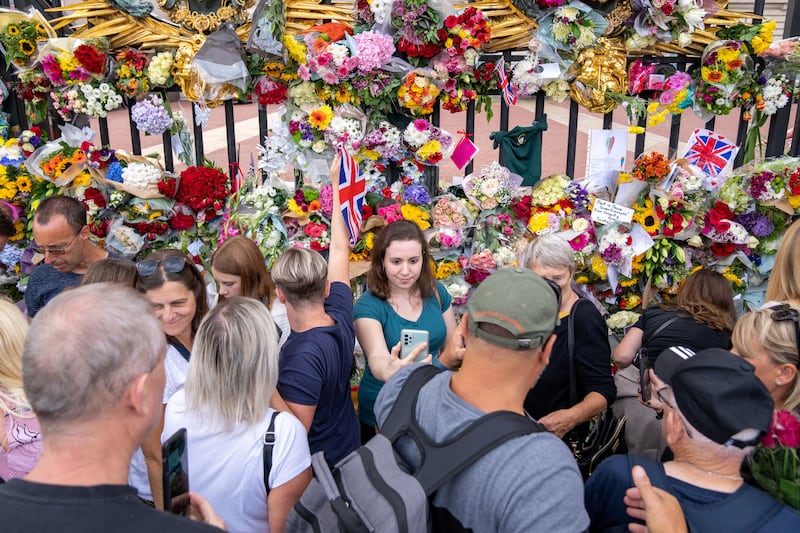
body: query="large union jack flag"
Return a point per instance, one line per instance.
(352, 190)
(710, 151)
(506, 89)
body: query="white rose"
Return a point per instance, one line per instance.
(684, 39)
(319, 146)
(695, 241)
(580, 224)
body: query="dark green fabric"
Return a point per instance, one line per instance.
(521, 150)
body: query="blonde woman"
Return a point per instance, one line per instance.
(21, 444)
(784, 280)
(225, 409)
(770, 340)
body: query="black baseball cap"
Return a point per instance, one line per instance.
(718, 393)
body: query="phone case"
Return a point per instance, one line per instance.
(410, 339)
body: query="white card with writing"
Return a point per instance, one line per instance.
(605, 212)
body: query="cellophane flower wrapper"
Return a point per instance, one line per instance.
(571, 28)
(123, 239)
(221, 61)
(267, 28)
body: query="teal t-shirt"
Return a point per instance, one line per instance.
(370, 306)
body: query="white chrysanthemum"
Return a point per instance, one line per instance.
(339, 53)
(561, 31)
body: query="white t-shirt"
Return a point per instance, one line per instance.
(227, 468)
(175, 369)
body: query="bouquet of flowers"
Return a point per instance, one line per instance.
(677, 96)
(449, 211)
(492, 187)
(308, 130)
(775, 462)
(131, 73)
(314, 234)
(344, 130)
(268, 91)
(665, 21)
(776, 94)
(70, 61)
(571, 28)
(33, 87)
(725, 68)
(204, 190)
(621, 320)
(19, 39)
(614, 246)
(416, 23)
(57, 162)
(383, 143)
(784, 50)
(418, 94)
(86, 99)
(429, 143)
(652, 167)
(151, 116)
(327, 60)
(373, 50)
(159, 70)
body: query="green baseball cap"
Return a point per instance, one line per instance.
(520, 302)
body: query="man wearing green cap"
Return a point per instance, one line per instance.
(529, 483)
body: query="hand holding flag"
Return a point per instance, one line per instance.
(352, 191)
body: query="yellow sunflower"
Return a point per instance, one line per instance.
(12, 30)
(24, 184)
(646, 216)
(26, 47)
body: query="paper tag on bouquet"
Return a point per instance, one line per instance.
(464, 152)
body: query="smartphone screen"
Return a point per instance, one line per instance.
(175, 473)
(644, 377)
(410, 339)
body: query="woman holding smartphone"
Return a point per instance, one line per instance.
(225, 411)
(177, 294)
(403, 294)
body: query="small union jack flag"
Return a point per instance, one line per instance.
(710, 151)
(509, 96)
(352, 190)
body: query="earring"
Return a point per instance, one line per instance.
(779, 383)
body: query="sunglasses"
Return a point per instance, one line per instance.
(556, 290)
(783, 312)
(54, 250)
(173, 263)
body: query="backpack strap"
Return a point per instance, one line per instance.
(183, 350)
(573, 376)
(269, 443)
(442, 461)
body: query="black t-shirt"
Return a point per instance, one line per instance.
(27, 507)
(685, 331)
(592, 365)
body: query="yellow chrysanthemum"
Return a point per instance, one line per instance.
(24, 184)
(598, 267)
(581, 279)
(628, 282)
(321, 117)
(295, 49)
(726, 55)
(82, 180)
(445, 269)
(369, 240)
(763, 40)
(733, 278)
(794, 201)
(416, 215)
(539, 222)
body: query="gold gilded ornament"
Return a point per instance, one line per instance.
(597, 69)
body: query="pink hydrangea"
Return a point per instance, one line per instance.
(374, 50)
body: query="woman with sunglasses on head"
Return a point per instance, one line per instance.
(784, 279)
(239, 269)
(177, 295)
(769, 339)
(403, 294)
(20, 445)
(549, 400)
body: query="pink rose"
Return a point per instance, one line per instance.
(787, 429)
(483, 260)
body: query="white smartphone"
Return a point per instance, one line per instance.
(410, 339)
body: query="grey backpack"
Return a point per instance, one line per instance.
(370, 491)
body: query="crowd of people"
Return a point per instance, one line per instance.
(119, 356)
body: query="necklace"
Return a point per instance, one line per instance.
(713, 474)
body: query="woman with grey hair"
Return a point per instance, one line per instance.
(549, 401)
(225, 409)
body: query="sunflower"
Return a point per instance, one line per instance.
(646, 216)
(24, 184)
(40, 29)
(26, 47)
(12, 30)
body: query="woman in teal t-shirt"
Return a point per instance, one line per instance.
(402, 295)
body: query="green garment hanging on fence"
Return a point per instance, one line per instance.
(521, 150)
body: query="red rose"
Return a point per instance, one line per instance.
(722, 249)
(366, 211)
(787, 429)
(94, 195)
(167, 187)
(181, 221)
(98, 228)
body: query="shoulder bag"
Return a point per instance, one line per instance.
(606, 434)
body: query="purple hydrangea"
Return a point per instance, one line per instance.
(417, 194)
(757, 224)
(150, 116)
